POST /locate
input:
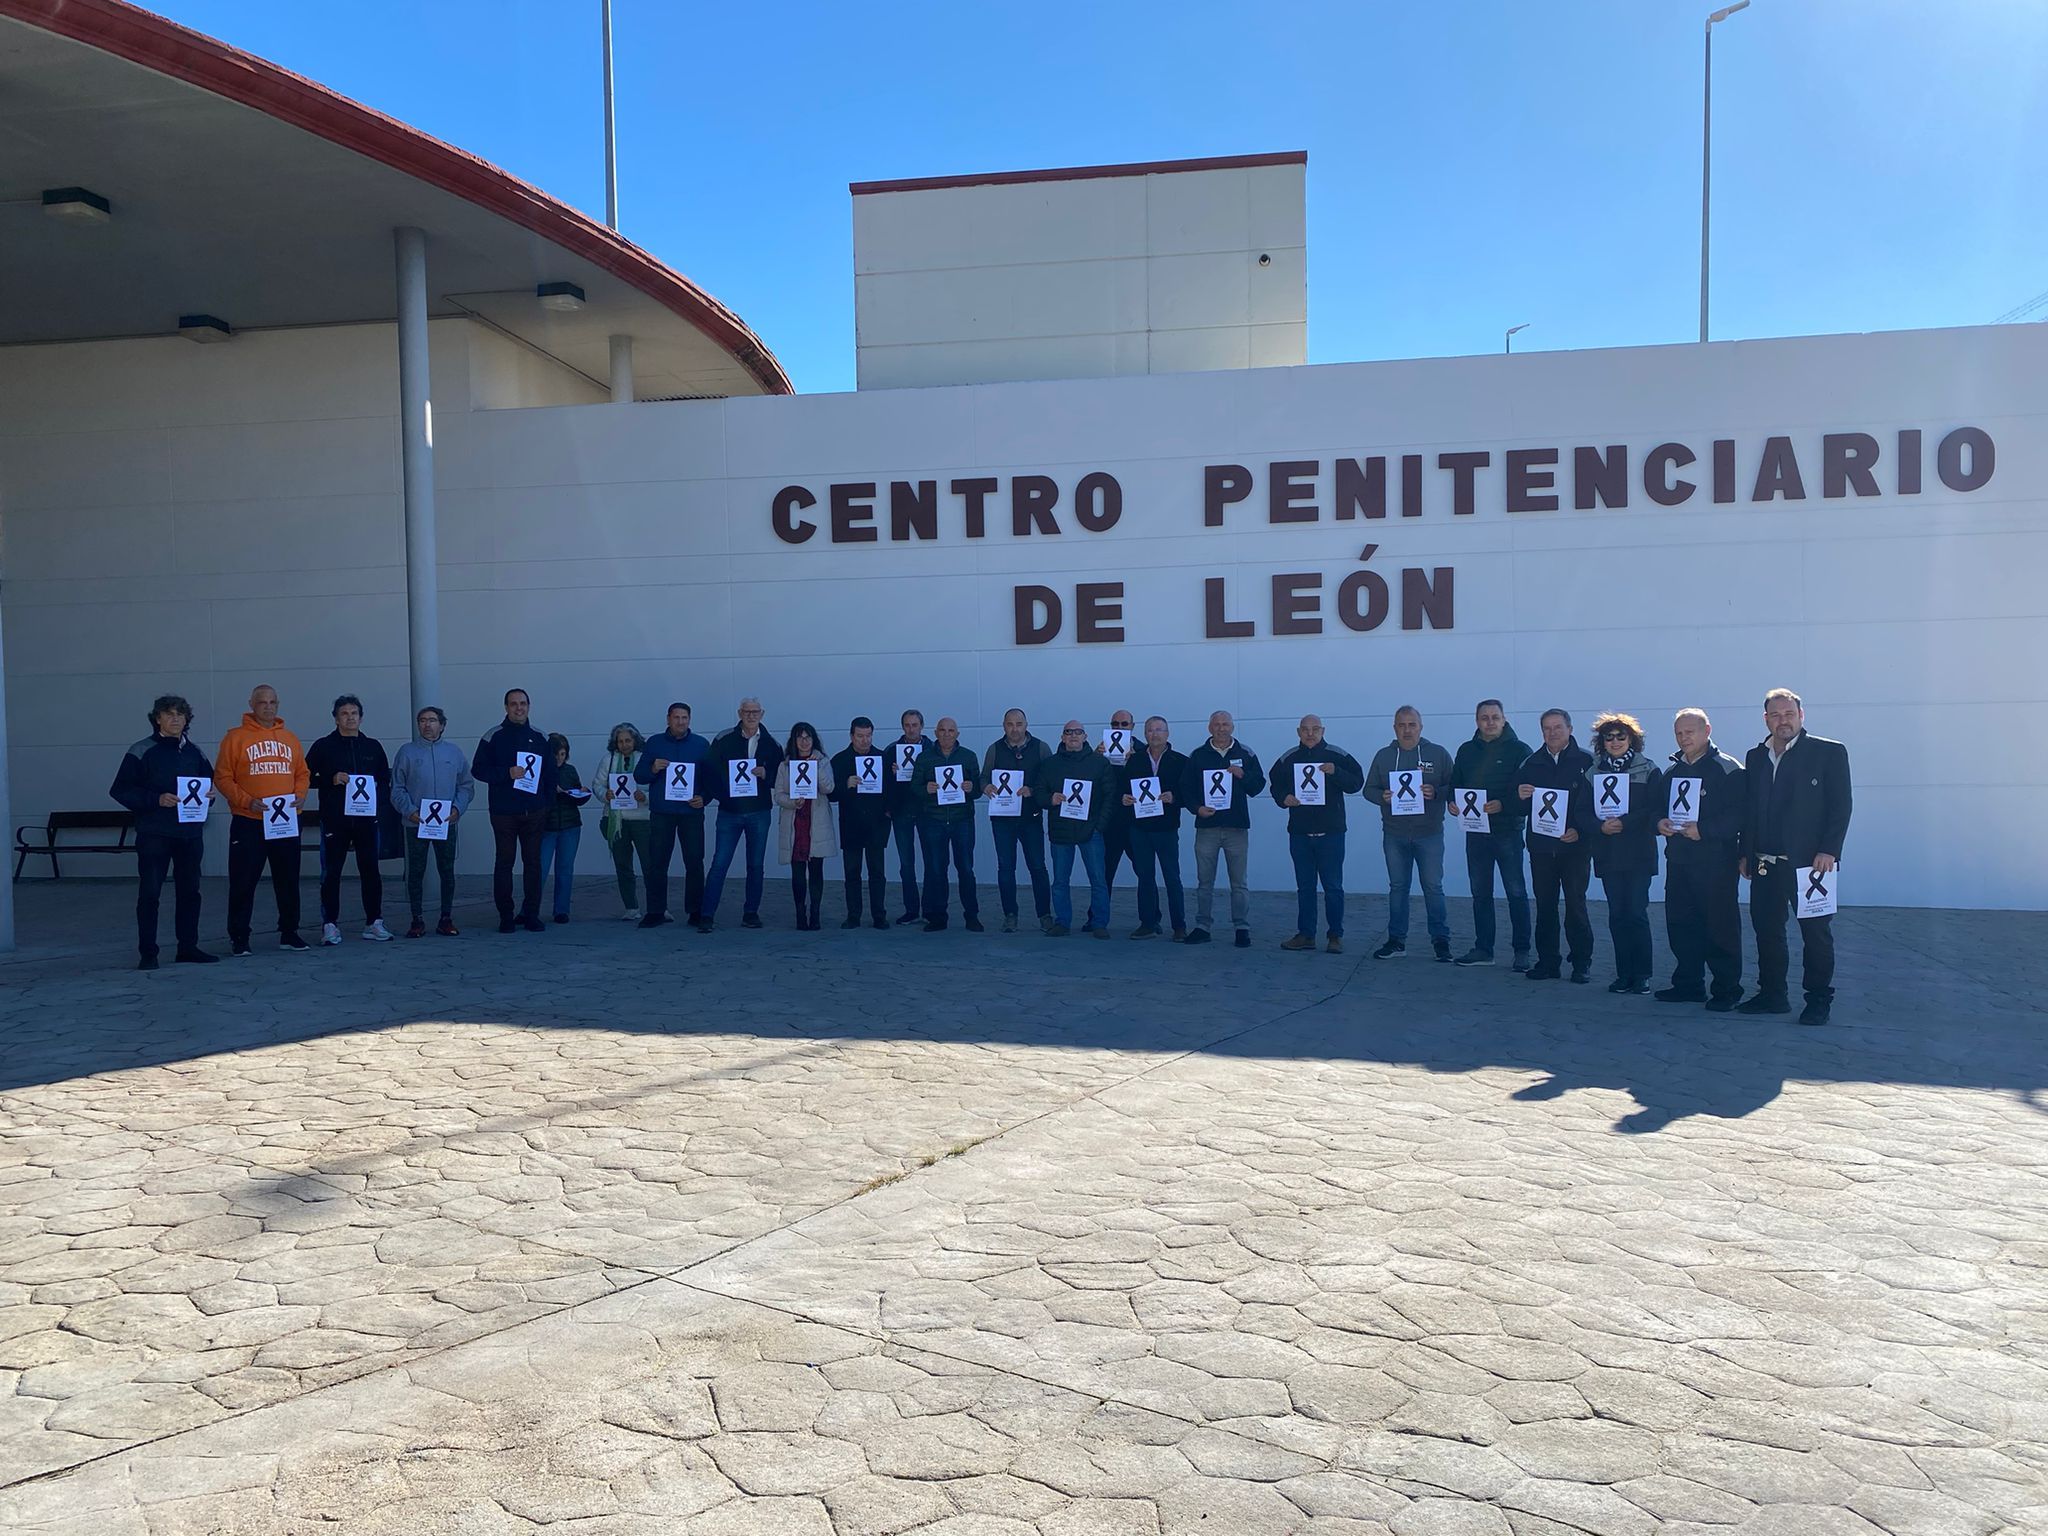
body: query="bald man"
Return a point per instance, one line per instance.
(950, 767)
(259, 762)
(1315, 832)
(1702, 827)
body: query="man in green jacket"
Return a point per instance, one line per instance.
(946, 782)
(1078, 784)
(1488, 764)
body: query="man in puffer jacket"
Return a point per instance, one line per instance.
(1488, 764)
(148, 784)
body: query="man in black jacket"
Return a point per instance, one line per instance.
(1156, 772)
(517, 769)
(863, 819)
(1224, 829)
(1117, 819)
(1559, 802)
(1702, 827)
(909, 821)
(1018, 753)
(948, 779)
(1315, 833)
(1796, 818)
(740, 776)
(154, 778)
(349, 810)
(1487, 764)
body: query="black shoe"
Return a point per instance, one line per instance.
(1618, 985)
(936, 925)
(292, 942)
(693, 918)
(1724, 1004)
(1056, 930)
(750, 920)
(882, 923)
(197, 957)
(239, 950)
(146, 963)
(1475, 956)
(1542, 973)
(561, 917)
(1443, 951)
(1198, 936)
(974, 925)
(1764, 1002)
(1522, 964)
(1637, 989)
(447, 929)
(1678, 995)
(1393, 949)
(533, 925)
(907, 918)
(851, 922)
(654, 920)
(1145, 931)
(1045, 923)
(1581, 975)
(1244, 938)
(508, 925)
(1816, 1010)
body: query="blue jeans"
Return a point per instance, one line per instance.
(1098, 881)
(559, 849)
(1405, 856)
(732, 826)
(954, 839)
(1484, 852)
(904, 829)
(1012, 833)
(1318, 857)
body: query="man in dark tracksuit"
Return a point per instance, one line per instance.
(863, 822)
(147, 784)
(341, 754)
(908, 821)
(1702, 827)
(674, 820)
(1796, 818)
(1018, 752)
(516, 813)
(1559, 866)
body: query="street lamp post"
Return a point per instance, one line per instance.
(1507, 339)
(611, 146)
(1707, 150)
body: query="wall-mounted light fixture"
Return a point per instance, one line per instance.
(204, 328)
(77, 205)
(563, 298)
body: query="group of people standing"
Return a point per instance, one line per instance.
(1099, 801)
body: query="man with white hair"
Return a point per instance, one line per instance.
(1796, 818)
(740, 775)
(1702, 827)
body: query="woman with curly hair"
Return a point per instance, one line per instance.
(1628, 799)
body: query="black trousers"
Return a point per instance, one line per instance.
(249, 853)
(1116, 843)
(517, 835)
(155, 857)
(1772, 897)
(1703, 920)
(865, 846)
(1561, 869)
(663, 835)
(807, 885)
(346, 835)
(1154, 843)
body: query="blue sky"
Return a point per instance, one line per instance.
(1472, 163)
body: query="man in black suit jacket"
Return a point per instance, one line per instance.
(1796, 815)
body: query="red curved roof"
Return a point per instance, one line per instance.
(144, 38)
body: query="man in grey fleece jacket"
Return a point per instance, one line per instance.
(428, 768)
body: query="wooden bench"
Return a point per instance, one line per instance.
(101, 822)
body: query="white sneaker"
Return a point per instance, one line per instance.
(632, 915)
(377, 933)
(330, 933)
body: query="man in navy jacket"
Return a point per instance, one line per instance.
(516, 811)
(674, 818)
(1797, 817)
(1562, 865)
(746, 807)
(147, 784)
(1702, 826)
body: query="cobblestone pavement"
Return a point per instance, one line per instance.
(851, 1233)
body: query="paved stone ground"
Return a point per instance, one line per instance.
(609, 1232)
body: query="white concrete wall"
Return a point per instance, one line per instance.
(199, 519)
(1087, 278)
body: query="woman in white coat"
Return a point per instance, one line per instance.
(805, 833)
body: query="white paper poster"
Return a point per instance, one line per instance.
(436, 816)
(952, 785)
(679, 783)
(867, 773)
(743, 775)
(1218, 788)
(1406, 787)
(1116, 743)
(1145, 793)
(906, 760)
(1471, 807)
(619, 791)
(280, 815)
(195, 798)
(1818, 893)
(803, 779)
(526, 772)
(1684, 802)
(1311, 782)
(359, 795)
(1548, 809)
(1610, 796)
(1075, 807)
(1005, 793)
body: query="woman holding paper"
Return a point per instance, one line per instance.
(625, 824)
(1628, 800)
(804, 834)
(562, 828)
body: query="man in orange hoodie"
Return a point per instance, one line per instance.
(259, 760)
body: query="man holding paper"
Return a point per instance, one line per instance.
(1483, 774)
(517, 769)
(1153, 779)
(672, 767)
(1222, 777)
(741, 769)
(1077, 785)
(909, 818)
(1118, 743)
(1410, 782)
(1014, 819)
(354, 779)
(1553, 788)
(1796, 818)
(948, 778)
(859, 780)
(167, 783)
(260, 762)
(431, 787)
(1311, 781)
(1702, 828)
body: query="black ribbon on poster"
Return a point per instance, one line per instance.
(1549, 809)
(1607, 794)
(277, 806)
(1681, 800)
(192, 794)
(1816, 888)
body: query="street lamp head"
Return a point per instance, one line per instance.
(1522, 327)
(1728, 10)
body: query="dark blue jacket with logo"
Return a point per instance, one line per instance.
(492, 767)
(152, 768)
